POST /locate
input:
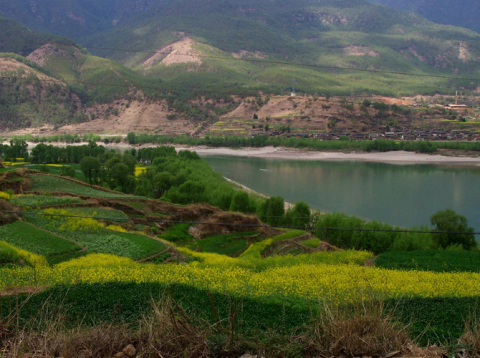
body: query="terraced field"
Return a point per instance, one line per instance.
(277, 273)
(46, 183)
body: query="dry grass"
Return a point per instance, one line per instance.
(171, 332)
(470, 340)
(363, 330)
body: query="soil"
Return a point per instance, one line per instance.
(282, 114)
(182, 51)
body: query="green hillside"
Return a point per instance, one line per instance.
(464, 13)
(236, 42)
(20, 40)
(50, 79)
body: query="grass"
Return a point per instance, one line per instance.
(439, 320)
(431, 260)
(30, 238)
(178, 234)
(312, 243)
(229, 244)
(8, 255)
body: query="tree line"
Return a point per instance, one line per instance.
(184, 178)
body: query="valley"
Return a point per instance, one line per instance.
(117, 239)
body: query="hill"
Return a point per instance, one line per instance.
(232, 47)
(48, 79)
(463, 13)
(143, 270)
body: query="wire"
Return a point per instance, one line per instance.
(324, 228)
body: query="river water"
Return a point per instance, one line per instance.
(404, 195)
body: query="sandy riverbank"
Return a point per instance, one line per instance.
(400, 157)
(395, 157)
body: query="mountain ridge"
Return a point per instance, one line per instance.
(445, 12)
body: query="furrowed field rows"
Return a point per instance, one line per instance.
(48, 183)
(30, 238)
(33, 201)
(94, 235)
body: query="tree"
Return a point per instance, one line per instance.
(162, 182)
(67, 170)
(240, 202)
(90, 167)
(121, 178)
(272, 211)
(131, 138)
(455, 229)
(299, 215)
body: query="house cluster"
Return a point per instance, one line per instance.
(407, 134)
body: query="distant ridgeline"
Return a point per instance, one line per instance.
(230, 46)
(463, 13)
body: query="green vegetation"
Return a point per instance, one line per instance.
(441, 12)
(452, 224)
(8, 255)
(382, 145)
(134, 246)
(431, 260)
(312, 243)
(178, 234)
(32, 239)
(230, 244)
(242, 282)
(432, 320)
(33, 201)
(76, 225)
(46, 183)
(352, 232)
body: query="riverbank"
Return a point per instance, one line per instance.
(271, 152)
(400, 157)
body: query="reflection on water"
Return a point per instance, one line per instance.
(405, 195)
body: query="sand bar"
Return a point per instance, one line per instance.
(400, 157)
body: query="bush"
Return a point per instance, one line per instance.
(455, 229)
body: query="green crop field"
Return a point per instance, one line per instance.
(230, 244)
(106, 266)
(431, 260)
(30, 238)
(45, 183)
(34, 201)
(79, 225)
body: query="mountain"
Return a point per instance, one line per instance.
(230, 47)
(46, 79)
(463, 13)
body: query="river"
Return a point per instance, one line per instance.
(404, 195)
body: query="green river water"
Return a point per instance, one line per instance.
(404, 195)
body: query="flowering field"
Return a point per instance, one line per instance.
(88, 246)
(79, 226)
(342, 282)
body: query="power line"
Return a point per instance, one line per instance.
(308, 228)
